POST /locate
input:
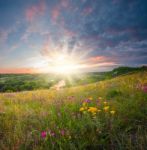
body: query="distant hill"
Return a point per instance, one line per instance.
(28, 82)
(125, 70)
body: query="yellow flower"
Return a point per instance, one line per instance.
(90, 98)
(106, 108)
(100, 98)
(84, 104)
(82, 109)
(112, 112)
(92, 109)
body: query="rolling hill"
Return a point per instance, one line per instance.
(110, 114)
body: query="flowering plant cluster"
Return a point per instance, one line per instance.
(94, 107)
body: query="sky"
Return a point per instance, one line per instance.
(103, 34)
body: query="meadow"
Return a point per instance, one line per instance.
(110, 114)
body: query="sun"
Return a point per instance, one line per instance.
(63, 64)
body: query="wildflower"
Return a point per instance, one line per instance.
(85, 107)
(62, 132)
(52, 134)
(100, 98)
(82, 109)
(112, 112)
(92, 109)
(84, 104)
(144, 88)
(87, 100)
(90, 98)
(106, 108)
(43, 134)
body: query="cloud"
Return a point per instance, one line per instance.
(18, 70)
(4, 33)
(55, 13)
(5, 37)
(36, 10)
(35, 21)
(98, 59)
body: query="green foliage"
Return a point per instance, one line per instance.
(113, 93)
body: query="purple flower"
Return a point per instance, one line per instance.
(43, 134)
(87, 100)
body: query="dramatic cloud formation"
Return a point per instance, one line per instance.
(104, 33)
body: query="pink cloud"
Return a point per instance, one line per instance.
(103, 61)
(98, 59)
(35, 10)
(104, 64)
(55, 13)
(18, 70)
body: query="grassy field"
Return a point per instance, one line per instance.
(110, 114)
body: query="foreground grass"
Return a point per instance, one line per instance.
(106, 115)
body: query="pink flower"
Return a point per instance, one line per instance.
(53, 134)
(144, 88)
(62, 132)
(43, 134)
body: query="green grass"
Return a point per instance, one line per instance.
(25, 115)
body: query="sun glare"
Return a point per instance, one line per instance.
(63, 64)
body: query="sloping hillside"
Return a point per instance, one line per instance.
(109, 114)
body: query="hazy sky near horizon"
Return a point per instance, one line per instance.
(109, 33)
